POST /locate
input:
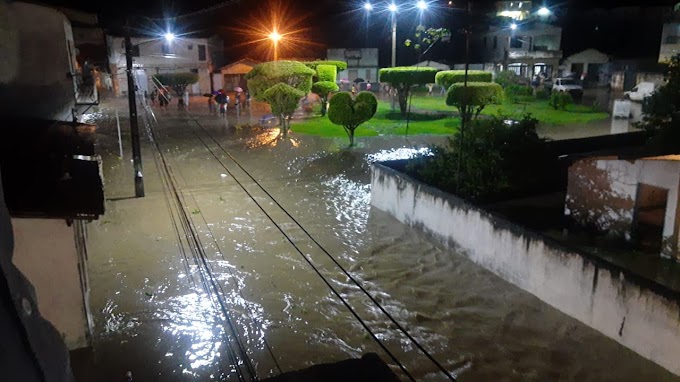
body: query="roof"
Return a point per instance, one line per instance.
(49, 169)
(589, 55)
(243, 66)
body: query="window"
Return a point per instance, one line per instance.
(194, 71)
(368, 75)
(495, 42)
(201, 53)
(672, 39)
(515, 43)
(165, 48)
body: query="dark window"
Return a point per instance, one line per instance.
(672, 39)
(201, 53)
(194, 71)
(495, 42)
(515, 43)
(165, 48)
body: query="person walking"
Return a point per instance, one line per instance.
(211, 104)
(222, 100)
(153, 96)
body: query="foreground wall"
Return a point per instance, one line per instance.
(51, 255)
(637, 313)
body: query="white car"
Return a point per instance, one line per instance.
(641, 91)
(568, 85)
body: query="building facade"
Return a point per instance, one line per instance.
(156, 55)
(361, 64)
(522, 41)
(670, 37)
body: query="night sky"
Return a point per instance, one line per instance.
(336, 23)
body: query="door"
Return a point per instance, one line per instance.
(649, 216)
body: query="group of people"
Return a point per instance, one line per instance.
(221, 100)
(163, 96)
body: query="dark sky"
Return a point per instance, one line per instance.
(337, 23)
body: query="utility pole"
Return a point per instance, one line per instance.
(394, 39)
(464, 121)
(134, 126)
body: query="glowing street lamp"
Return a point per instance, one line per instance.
(393, 9)
(513, 26)
(169, 37)
(275, 37)
(422, 5)
(368, 7)
(544, 12)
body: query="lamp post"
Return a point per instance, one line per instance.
(368, 7)
(134, 126)
(275, 37)
(393, 9)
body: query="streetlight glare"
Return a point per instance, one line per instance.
(513, 26)
(422, 5)
(275, 36)
(392, 7)
(368, 6)
(544, 11)
(169, 37)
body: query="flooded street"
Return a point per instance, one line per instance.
(216, 290)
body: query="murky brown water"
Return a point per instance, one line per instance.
(155, 317)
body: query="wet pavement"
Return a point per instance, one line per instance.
(167, 311)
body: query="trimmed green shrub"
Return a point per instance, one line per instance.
(403, 78)
(341, 65)
(471, 101)
(350, 113)
(326, 73)
(450, 77)
(267, 74)
(323, 89)
(507, 78)
(177, 81)
(543, 94)
(283, 99)
(518, 93)
(560, 100)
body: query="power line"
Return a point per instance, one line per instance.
(331, 257)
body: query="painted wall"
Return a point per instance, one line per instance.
(670, 42)
(602, 194)
(640, 315)
(540, 40)
(52, 265)
(38, 56)
(361, 63)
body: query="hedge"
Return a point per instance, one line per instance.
(326, 73)
(479, 93)
(450, 77)
(341, 65)
(292, 73)
(408, 75)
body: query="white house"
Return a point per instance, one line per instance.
(670, 37)
(157, 55)
(361, 63)
(591, 63)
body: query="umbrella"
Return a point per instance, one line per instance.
(238, 89)
(207, 95)
(359, 80)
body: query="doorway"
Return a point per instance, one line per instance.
(648, 217)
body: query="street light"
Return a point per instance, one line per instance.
(275, 37)
(368, 6)
(393, 9)
(169, 37)
(544, 11)
(513, 26)
(422, 5)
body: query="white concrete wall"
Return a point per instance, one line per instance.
(609, 189)
(364, 61)
(600, 296)
(667, 51)
(45, 252)
(38, 55)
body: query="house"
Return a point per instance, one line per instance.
(528, 48)
(361, 63)
(233, 75)
(590, 63)
(155, 55)
(633, 200)
(670, 37)
(42, 77)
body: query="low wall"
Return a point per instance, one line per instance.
(638, 313)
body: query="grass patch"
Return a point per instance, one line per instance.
(541, 110)
(385, 122)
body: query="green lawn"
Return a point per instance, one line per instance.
(385, 122)
(541, 110)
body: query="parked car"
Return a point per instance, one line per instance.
(568, 85)
(641, 91)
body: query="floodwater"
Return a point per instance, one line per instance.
(250, 303)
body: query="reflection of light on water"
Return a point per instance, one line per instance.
(268, 138)
(397, 154)
(349, 201)
(90, 117)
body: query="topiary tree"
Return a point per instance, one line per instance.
(292, 73)
(177, 81)
(507, 78)
(472, 99)
(339, 65)
(404, 78)
(350, 113)
(560, 100)
(328, 73)
(283, 99)
(323, 89)
(449, 77)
